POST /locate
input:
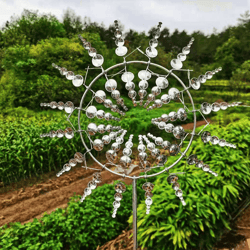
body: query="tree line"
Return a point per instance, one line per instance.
(31, 42)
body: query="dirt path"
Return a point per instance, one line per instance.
(190, 126)
(238, 237)
(32, 202)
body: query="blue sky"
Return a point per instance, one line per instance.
(140, 15)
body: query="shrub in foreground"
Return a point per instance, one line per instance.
(209, 199)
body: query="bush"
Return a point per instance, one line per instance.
(240, 80)
(242, 73)
(209, 199)
(30, 79)
(32, 235)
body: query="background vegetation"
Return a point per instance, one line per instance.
(31, 43)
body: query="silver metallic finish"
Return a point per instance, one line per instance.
(134, 207)
(123, 64)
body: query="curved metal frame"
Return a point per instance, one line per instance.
(122, 64)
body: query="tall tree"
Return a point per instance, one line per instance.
(225, 54)
(30, 28)
(244, 18)
(72, 23)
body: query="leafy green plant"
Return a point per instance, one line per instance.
(23, 153)
(242, 74)
(209, 199)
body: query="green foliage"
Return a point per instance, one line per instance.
(240, 80)
(72, 23)
(23, 153)
(8, 83)
(209, 199)
(33, 235)
(242, 73)
(95, 215)
(225, 56)
(228, 96)
(226, 90)
(231, 115)
(31, 77)
(203, 48)
(230, 45)
(30, 28)
(214, 83)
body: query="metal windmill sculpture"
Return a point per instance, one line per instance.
(148, 143)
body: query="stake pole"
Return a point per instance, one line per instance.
(134, 207)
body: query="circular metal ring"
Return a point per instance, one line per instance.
(122, 64)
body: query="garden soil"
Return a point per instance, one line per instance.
(31, 202)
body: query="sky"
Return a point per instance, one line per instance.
(140, 15)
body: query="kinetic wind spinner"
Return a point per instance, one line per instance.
(117, 105)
